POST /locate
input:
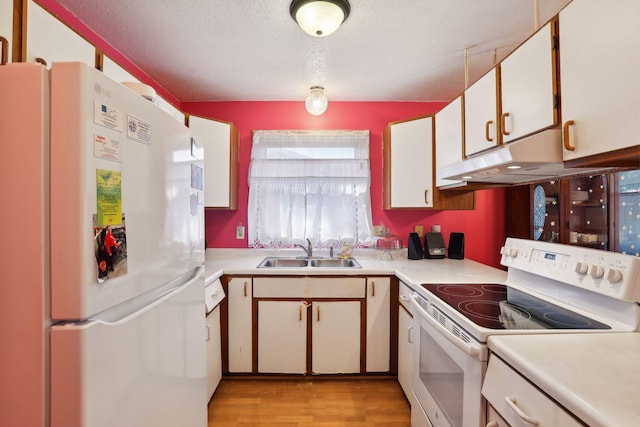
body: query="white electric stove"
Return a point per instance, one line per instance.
(550, 288)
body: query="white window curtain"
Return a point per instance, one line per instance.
(309, 185)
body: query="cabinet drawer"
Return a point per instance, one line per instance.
(405, 293)
(309, 287)
(502, 383)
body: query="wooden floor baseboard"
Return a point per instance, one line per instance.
(309, 401)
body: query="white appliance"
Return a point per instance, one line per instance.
(550, 288)
(95, 332)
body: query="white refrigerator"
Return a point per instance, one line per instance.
(102, 314)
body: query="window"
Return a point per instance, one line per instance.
(309, 184)
(628, 193)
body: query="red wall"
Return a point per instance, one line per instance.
(483, 227)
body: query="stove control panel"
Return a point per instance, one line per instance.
(608, 273)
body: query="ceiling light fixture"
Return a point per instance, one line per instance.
(316, 102)
(319, 18)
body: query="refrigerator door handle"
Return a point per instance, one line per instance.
(125, 312)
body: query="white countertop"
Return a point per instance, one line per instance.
(412, 272)
(595, 376)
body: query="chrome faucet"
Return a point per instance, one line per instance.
(308, 250)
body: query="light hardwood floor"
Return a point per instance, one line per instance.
(367, 402)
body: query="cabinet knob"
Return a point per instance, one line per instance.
(487, 131)
(4, 57)
(503, 123)
(565, 136)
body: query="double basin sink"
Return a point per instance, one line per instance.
(288, 262)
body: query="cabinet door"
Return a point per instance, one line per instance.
(547, 206)
(6, 25)
(53, 41)
(410, 169)
(282, 337)
(528, 88)
(448, 124)
(600, 76)
(214, 356)
(220, 161)
(239, 300)
(335, 337)
(405, 351)
(378, 323)
(588, 211)
(480, 114)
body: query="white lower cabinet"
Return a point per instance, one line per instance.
(214, 357)
(283, 343)
(494, 419)
(518, 402)
(313, 325)
(405, 351)
(336, 337)
(378, 323)
(282, 325)
(240, 303)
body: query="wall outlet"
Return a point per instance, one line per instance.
(419, 229)
(240, 232)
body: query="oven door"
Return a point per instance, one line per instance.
(448, 371)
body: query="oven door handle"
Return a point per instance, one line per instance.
(467, 348)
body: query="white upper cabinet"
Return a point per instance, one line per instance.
(6, 26)
(448, 138)
(408, 175)
(51, 40)
(410, 164)
(119, 74)
(220, 142)
(481, 114)
(600, 78)
(527, 78)
(116, 72)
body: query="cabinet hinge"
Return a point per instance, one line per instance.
(555, 41)
(556, 101)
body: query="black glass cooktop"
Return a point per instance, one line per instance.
(497, 306)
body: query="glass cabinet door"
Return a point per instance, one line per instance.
(588, 214)
(546, 212)
(627, 193)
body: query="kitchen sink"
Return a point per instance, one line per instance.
(276, 262)
(335, 263)
(282, 262)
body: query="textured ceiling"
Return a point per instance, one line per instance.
(387, 50)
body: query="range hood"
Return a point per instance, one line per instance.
(532, 159)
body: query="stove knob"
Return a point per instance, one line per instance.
(582, 268)
(614, 275)
(513, 252)
(596, 272)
